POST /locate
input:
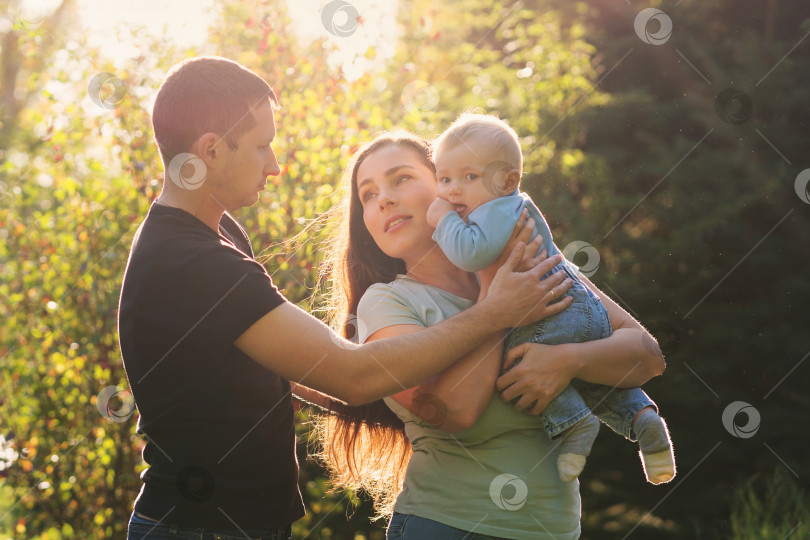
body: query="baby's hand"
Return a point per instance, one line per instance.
(438, 209)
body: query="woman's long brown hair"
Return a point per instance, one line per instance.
(362, 447)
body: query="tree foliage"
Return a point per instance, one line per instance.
(688, 200)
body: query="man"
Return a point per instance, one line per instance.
(210, 345)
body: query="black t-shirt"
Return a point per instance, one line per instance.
(219, 427)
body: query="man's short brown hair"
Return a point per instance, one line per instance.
(206, 94)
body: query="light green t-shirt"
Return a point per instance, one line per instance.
(499, 477)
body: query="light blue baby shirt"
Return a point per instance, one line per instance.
(475, 245)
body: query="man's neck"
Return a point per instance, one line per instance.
(210, 213)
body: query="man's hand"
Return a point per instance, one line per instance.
(438, 209)
(543, 373)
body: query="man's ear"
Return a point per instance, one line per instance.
(209, 147)
(511, 181)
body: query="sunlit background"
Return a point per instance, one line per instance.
(186, 23)
(666, 144)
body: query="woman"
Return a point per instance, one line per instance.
(468, 465)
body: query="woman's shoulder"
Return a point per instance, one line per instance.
(402, 286)
(385, 286)
(388, 304)
(384, 294)
(395, 288)
(401, 293)
(415, 293)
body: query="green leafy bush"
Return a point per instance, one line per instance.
(773, 507)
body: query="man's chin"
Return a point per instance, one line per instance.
(250, 200)
(231, 205)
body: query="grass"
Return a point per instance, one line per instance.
(771, 508)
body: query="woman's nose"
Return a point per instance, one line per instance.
(386, 198)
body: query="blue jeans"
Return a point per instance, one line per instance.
(586, 319)
(140, 527)
(409, 527)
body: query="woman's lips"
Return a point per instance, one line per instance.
(396, 223)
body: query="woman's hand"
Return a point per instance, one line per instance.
(520, 298)
(522, 233)
(543, 373)
(524, 229)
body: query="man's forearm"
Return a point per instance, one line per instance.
(625, 359)
(413, 358)
(359, 374)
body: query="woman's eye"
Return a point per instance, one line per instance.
(366, 196)
(401, 178)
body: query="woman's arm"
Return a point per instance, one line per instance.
(635, 356)
(628, 358)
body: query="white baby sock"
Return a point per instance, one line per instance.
(575, 445)
(655, 447)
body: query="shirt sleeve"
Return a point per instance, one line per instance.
(226, 293)
(380, 307)
(475, 245)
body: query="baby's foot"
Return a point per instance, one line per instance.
(656, 447)
(570, 466)
(575, 445)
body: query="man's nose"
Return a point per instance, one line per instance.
(271, 166)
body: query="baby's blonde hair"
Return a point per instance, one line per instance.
(503, 140)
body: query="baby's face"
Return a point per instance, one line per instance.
(469, 176)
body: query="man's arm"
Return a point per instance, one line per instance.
(455, 398)
(299, 347)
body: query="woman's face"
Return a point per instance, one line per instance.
(396, 188)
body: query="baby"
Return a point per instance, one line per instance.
(478, 165)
